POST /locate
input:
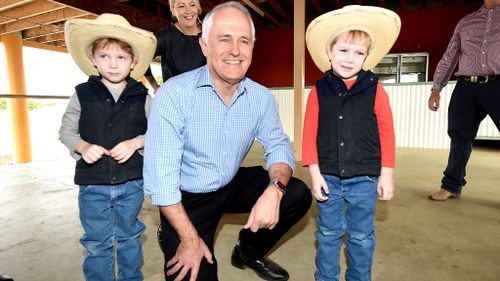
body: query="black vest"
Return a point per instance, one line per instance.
(348, 140)
(106, 123)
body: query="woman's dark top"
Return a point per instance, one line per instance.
(179, 52)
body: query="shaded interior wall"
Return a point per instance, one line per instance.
(424, 30)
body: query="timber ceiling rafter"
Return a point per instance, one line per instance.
(42, 21)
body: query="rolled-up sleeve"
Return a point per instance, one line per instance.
(272, 137)
(163, 149)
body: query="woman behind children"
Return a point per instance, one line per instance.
(103, 128)
(348, 134)
(178, 44)
(179, 47)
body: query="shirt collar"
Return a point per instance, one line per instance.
(204, 79)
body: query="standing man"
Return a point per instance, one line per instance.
(202, 125)
(475, 46)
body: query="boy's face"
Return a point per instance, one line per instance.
(113, 63)
(347, 56)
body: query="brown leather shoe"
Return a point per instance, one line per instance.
(442, 195)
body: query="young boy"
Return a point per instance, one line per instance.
(103, 127)
(348, 141)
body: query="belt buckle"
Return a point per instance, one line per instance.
(485, 80)
(473, 78)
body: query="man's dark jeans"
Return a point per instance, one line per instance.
(469, 105)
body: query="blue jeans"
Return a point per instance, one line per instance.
(350, 208)
(109, 214)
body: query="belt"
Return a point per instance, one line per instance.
(479, 78)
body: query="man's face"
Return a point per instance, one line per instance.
(229, 47)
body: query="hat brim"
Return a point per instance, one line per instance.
(81, 33)
(381, 24)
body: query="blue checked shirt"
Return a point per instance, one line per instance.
(196, 143)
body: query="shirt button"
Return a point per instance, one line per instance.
(341, 117)
(343, 171)
(341, 144)
(482, 65)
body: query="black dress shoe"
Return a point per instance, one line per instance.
(4, 277)
(264, 267)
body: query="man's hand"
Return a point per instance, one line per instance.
(191, 249)
(434, 100)
(188, 258)
(266, 211)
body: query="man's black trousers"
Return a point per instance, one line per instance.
(239, 196)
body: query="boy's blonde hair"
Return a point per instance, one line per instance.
(354, 37)
(102, 43)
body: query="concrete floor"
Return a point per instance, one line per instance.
(417, 239)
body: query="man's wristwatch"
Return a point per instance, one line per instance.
(279, 185)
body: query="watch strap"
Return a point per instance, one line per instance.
(281, 186)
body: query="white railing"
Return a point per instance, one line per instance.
(415, 125)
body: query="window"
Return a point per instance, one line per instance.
(403, 68)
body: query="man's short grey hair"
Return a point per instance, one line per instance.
(208, 20)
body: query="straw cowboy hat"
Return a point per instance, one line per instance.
(81, 33)
(382, 26)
